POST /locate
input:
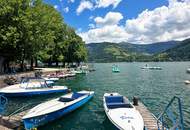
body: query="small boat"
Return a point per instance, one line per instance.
(115, 69)
(188, 70)
(51, 79)
(80, 71)
(56, 108)
(151, 67)
(187, 81)
(32, 86)
(70, 74)
(122, 113)
(57, 75)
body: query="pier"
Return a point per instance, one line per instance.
(12, 122)
(150, 121)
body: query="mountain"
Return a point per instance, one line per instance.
(149, 48)
(107, 52)
(116, 52)
(180, 52)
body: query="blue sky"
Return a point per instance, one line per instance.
(130, 20)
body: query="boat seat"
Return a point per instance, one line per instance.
(114, 99)
(64, 99)
(119, 105)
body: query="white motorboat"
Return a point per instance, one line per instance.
(32, 86)
(188, 70)
(187, 81)
(122, 113)
(56, 108)
(51, 79)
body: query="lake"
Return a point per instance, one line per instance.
(154, 87)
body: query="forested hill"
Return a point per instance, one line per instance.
(111, 52)
(180, 52)
(149, 48)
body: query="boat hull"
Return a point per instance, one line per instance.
(43, 119)
(25, 94)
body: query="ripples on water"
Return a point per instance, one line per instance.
(154, 87)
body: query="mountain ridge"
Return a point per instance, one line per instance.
(118, 52)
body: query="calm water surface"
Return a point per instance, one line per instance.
(154, 87)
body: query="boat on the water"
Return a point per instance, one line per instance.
(122, 113)
(51, 79)
(188, 70)
(32, 86)
(187, 81)
(151, 67)
(56, 108)
(115, 69)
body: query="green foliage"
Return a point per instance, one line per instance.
(31, 29)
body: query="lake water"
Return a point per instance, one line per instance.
(154, 87)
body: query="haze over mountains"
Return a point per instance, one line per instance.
(118, 52)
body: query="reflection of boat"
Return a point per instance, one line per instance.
(151, 67)
(121, 112)
(187, 81)
(115, 69)
(188, 70)
(32, 86)
(56, 108)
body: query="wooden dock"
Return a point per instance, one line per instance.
(150, 120)
(12, 122)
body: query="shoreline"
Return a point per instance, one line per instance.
(28, 74)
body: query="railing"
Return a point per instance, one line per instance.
(168, 116)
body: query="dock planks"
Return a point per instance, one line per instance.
(149, 119)
(12, 122)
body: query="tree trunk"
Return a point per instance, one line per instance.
(22, 65)
(36, 62)
(57, 63)
(31, 63)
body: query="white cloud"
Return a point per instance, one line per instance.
(91, 17)
(111, 18)
(91, 26)
(84, 5)
(107, 29)
(66, 10)
(106, 3)
(55, 6)
(161, 24)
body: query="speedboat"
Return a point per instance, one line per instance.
(187, 81)
(32, 86)
(56, 75)
(122, 113)
(56, 108)
(188, 70)
(54, 79)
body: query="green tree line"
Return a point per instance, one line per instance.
(32, 30)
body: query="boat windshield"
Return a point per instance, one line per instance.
(33, 83)
(73, 97)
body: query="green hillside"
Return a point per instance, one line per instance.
(111, 52)
(180, 52)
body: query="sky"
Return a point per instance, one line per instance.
(134, 21)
